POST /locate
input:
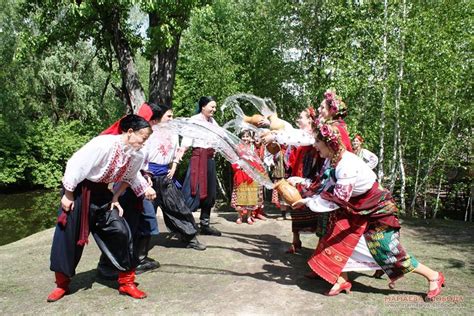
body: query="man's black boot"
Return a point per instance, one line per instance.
(195, 244)
(145, 263)
(209, 230)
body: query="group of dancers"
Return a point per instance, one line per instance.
(114, 184)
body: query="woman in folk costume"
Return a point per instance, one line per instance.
(366, 155)
(247, 194)
(304, 163)
(163, 155)
(365, 216)
(199, 187)
(87, 201)
(278, 171)
(333, 110)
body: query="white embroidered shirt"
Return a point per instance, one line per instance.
(106, 159)
(353, 178)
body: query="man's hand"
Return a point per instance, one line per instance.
(150, 194)
(67, 201)
(172, 170)
(116, 204)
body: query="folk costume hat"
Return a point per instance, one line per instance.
(330, 136)
(337, 108)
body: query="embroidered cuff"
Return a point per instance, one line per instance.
(69, 186)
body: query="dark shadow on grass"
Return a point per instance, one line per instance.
(167, 240)
(360, 287)
(85, 280)
(264, 246)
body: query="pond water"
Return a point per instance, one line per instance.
(23, 214)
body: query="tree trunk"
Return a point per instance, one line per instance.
(435, 212)
(221, 188)
(129, 73)
(424, 205)
(393, 163)
(163, 68)
(402, 176)
(469, 207)
(384, 95)
(417, 176)
(398, 98)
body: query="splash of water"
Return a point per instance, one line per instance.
(223, 141)
(239, 125)
(265, 106)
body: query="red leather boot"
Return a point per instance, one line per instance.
(62, 282)
(127, 285)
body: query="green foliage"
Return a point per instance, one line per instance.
(293, 51)
(51, 103)
(57, 66)
(233, 47)
(37, 154)
(173, 19)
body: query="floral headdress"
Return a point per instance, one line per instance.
(330, 136)
(335, 104)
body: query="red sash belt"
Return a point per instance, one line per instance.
(199, 159)
(369, 204)
(86, 188)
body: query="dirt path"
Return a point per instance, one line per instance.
(244, 272)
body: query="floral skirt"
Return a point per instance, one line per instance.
(384, 245)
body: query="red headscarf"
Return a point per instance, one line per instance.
(114, 129)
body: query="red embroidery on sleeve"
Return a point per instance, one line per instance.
(344, 192)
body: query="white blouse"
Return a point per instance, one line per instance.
(369, 158)
(162, 145)
(196, 142)
(106, 159)
(353, 178)
(293, 136)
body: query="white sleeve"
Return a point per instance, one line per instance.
(138, 184)
(346, 176)
(296, 137)
(370, 158)
(83, 161)
(135, 178)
